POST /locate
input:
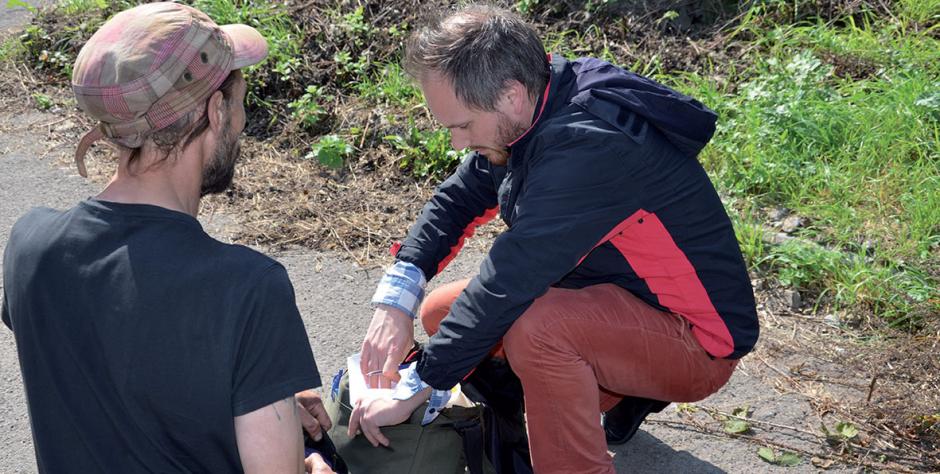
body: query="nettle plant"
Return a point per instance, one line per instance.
(331, 151)
(427, 153)
(308, 109)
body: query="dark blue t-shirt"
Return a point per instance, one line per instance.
(140, 338)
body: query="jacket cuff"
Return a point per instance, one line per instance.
(401, 287)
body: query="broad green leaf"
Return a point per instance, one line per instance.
(767, 454)
(789, 459)
(330, 157)
(847, 430)
(736, 427)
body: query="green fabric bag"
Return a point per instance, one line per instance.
(437, 448)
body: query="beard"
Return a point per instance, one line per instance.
(506, 132)
(218, 174)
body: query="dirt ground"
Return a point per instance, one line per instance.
(803, 374)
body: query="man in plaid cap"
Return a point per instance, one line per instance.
(145, 344)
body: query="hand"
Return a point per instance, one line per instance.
(391, 334)
(371, 413)
(315, 464)
(313, 416)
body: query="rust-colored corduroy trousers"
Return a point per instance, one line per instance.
(577, 352)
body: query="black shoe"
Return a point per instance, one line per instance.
(623, 420)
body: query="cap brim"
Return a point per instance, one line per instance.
(249, 46)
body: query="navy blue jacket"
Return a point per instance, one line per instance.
(604, 188)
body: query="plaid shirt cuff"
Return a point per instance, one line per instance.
(409, 386)
(401, 287)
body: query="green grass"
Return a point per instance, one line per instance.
(310, 108)
(920, 11)
(272, 20)
(390, 86)
(76, 7)
(857, 156)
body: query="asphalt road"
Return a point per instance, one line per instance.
(333, 295)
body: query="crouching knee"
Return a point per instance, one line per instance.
(527, 339)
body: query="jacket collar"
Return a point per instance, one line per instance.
(547, 104)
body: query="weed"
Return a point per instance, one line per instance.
(425, 153)
(282, 33)
(351, 69)
(355, 26)
(309, 108)
(390, 85)
(43, 101)
(785, 458)
(330, 151)
(77, 7)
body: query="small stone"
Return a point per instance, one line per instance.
(793, 299)
(791, 223)
(832, 320)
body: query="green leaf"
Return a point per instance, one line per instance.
(847, 430)
(767, 454)
(741, 411)
(789, 459)
(736, 427)
(330, 151)
(330, 157)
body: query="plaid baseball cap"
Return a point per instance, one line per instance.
(149, 65)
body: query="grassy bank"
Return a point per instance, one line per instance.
(828, 134)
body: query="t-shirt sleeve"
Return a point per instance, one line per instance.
(273, 360)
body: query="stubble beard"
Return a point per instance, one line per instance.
(506, 132)
(218, 175)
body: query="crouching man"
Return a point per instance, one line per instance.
(618, 280)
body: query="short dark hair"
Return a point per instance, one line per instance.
(479, 49)
(190, 126)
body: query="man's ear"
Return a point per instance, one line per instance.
(215, 111)
(516, 97)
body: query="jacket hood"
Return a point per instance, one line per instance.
(610, 93)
